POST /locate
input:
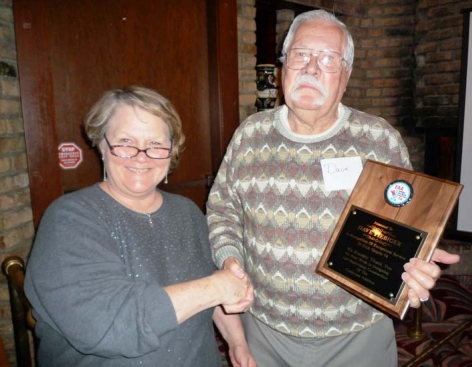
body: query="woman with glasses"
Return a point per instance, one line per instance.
(121, 273)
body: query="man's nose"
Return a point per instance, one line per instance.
(312, 65)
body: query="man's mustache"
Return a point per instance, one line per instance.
(310, 81)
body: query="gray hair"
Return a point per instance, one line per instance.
(320, 15)
(97, 120)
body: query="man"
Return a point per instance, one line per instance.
(271, 211)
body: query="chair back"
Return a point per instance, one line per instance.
(21, 311)
(3, 355)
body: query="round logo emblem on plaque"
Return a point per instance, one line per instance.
(398, 193)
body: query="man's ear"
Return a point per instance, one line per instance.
(348, 75)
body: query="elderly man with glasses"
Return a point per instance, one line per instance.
(271, 211)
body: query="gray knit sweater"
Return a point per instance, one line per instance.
(95, 278)
(269, 208)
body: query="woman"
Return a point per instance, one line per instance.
(120, 273)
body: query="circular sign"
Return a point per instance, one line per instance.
(398, 193)
(70, 155)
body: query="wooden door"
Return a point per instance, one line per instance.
(70, 52)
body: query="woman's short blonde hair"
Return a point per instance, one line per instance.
(97, 120)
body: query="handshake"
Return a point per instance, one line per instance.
(234, 285)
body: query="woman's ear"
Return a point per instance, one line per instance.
(101, 147)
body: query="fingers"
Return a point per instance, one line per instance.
(441, 256)
(245, 302)
(415, 301)
(237, 294)
(240, 307)
(426, 272)
(416, 293)
(420, 276)
(233, 265)
(249, 297)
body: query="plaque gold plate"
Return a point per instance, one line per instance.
(373, 239)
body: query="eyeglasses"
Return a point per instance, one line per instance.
(328, 61)
(127, 151)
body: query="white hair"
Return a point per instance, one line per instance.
(320, 15)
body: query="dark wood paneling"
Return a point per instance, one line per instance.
(223, 66)
(69, 53)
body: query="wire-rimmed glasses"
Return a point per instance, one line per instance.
(328, 61)
(128, 151)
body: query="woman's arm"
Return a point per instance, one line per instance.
(221, 288)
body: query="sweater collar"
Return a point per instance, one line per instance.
(283, 127)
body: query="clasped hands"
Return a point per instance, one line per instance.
(238, 290)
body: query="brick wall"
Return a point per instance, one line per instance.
(407, 62)
(382, 79)
(16, 226)
(438, 37)
(406, 68)
(247, 60)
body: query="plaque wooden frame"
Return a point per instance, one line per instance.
(427, 211)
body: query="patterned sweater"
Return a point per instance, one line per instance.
(270, 209)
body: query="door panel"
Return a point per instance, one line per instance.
(70, 52)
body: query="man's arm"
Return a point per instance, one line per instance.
(225, 215)
(232, 331)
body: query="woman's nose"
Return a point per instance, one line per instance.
(142, 156)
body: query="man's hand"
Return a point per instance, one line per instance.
(241, 357)
(234, 266)
(420, 276)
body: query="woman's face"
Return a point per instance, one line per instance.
(135, 177)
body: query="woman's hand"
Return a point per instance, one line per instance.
(420, 276)
(234, 291)
(233, 265)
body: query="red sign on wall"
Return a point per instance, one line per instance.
(70, 155)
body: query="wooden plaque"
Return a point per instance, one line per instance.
(392, 215)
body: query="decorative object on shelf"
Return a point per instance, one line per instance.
(267, 88)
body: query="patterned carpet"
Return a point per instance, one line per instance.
(447, 314)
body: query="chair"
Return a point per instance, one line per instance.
(3, 355)
(21, 311)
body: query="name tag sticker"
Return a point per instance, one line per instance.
(341, 173)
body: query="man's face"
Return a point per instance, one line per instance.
(311, 88)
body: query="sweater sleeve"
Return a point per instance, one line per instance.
(399, 156)
(224, 209)
(78, 285)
